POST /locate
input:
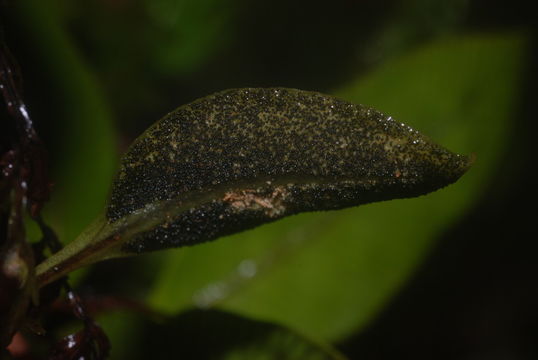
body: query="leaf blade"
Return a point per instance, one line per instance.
(244, 157)
(351, 282)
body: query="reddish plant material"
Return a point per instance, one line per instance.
(26, 163)
(25, 186)
(89, 343)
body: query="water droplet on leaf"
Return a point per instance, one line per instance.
(244, 157)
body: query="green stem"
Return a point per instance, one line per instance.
(86, 249)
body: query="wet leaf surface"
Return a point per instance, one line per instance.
(244, 157)
(328, 274)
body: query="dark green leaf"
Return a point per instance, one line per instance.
(240, 158)
(328, 274)
(243, 157)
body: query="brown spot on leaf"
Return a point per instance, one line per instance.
(272, 204)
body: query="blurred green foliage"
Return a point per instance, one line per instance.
(199, 26)
(83, 147)
(212, 334)
(325, 275)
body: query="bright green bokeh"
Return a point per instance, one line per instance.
(328, 274)
(325, 274)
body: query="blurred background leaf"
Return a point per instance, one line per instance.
(213, 334)
(459, 71)
(343, 266)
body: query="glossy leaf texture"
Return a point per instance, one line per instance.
(244, 157)
(329, 274)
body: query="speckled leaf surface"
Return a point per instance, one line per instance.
(244, 157)
(329, 273)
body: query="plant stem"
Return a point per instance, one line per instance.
(84, 250)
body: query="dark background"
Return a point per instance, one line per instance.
(475, 296)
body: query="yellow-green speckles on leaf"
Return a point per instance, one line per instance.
(244, 157)
(256, 155)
